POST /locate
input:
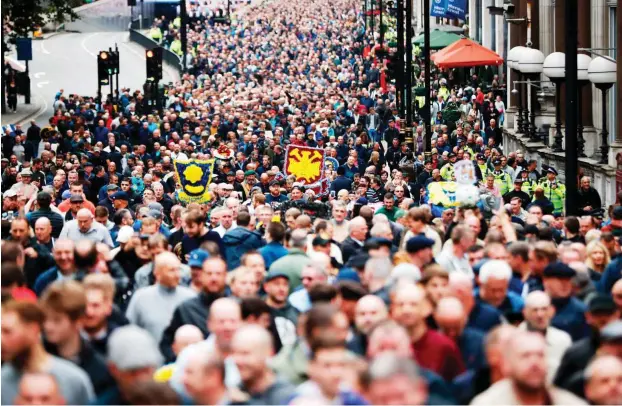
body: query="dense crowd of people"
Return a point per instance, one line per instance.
(117, 291)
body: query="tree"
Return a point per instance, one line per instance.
(22, 17)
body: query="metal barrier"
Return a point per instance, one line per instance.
(147, 43)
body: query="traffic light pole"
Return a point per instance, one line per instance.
(27, 87)
(380, 6)
(183, 16)
(116, 50)
(426, 55)
(409, 64)
(399, 78)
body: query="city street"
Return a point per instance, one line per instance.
(69, 61)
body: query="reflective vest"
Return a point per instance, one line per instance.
(177, 22)
(484, 169)
(176, 47)
(503, 181)
(155, 34)
(443, 91)
(556, 196)
(529, 185)
(447, 171)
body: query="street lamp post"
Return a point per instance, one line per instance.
(531, 61)
(555, 68)
(583, 62)
(602, 73)
(513, 64)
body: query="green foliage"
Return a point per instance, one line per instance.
(22, 17)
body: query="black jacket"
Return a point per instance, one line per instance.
(192, 311)
(92, 363)
(575, 359)
(589, 198)
(340, 183)
(33, 267)
(349, 247)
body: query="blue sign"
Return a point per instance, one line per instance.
(24, 49)
(449, 9)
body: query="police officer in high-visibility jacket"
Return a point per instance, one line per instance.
(503, 180)
(483, 165)
(529, 185)
(447, 171)
(156, 33)
(554, 191)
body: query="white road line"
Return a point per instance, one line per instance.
(83, 44)
(41, 84)
(38, 75)
(45, 51)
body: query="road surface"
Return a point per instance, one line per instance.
(69, 61)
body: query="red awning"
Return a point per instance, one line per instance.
(465, 53)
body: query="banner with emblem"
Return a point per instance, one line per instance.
(194, 176)
(307, 165)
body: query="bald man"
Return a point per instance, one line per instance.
(225, 317)
(603, 381)
(84, 227)
(43, 233)
(538, 313)
(185, 336)
(204, 379)
(252, 347)
(433, 350)
(451, 320)
(482, 316)
(370, 310)
(152, 307)
(526, 369)
(39, 389)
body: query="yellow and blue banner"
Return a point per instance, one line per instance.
(194, 176)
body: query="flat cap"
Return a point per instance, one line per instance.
(417, 243)
(558, 270)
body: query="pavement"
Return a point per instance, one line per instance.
(68, 61)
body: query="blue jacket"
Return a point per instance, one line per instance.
(612, 273)
(239, 241)
(45, 279)
(471, 344)
(271, 252)
(570, 317)
(101, 135)
(484, 317)
(341, 182)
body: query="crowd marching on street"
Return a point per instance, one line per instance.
(186, 257)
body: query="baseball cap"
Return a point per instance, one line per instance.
(11, 193)
(155, 206)
(276, 274)
(122, 346)
(155, 214)
(76, 199)
(112, 187)
(125, 233)
(197, 257)
(558, 270)
(120, 196)
(612, 332)
(496, 162)
(417, 243)
(601, 303)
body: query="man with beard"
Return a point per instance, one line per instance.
(196, 233)
(23, 353)
(526, 377)
(285, 314)
(98, 323)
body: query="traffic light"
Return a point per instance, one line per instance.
(113, 66)
(103, 63)
(154, 64)
(392, 65)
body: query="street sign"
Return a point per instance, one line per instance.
(24, 49)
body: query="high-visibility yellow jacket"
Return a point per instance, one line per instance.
(156, 34)
(176, 47)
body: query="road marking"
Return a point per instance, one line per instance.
(39, 74)
(41, 84)
(83, 44)
(45, 51)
